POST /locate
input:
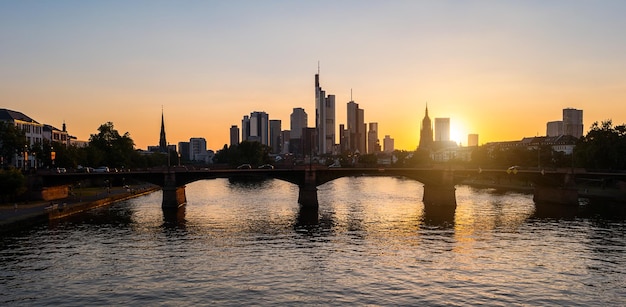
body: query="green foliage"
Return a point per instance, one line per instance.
(604, 147)
(12, 184)
(12, 141)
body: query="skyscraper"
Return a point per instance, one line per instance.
(357, 127)
(298, 122)
(373, 144)
(234, 135)
(472, 140)
(426, 132)
(255, 128)
(324, 118)
(275, 140)
(573, 122)
(442, 129)
(388, 144)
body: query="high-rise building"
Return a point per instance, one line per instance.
(197, 149)
(344, 139)
(472, 140)
(275, 140)
(357, 127)
(298, 122)
(388, 144)
(442, 129)
(183, 150)
(554, 128)
(324, 118)
(234, 135)
(373, 144)
(426, 132)
(285, 137)
(573, 122)
(255, 128)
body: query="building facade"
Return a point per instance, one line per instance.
(373, 144)
(573, 122)
(298, 122)
(356, 128)
(442, 129)
(324, 119)
(234, 135)
(472, 140)
(275, 139)
(388, 144)
(426, 132)
(255, 128)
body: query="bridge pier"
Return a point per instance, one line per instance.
(173, 196)
(307, 192)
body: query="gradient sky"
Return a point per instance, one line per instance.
(500, 69)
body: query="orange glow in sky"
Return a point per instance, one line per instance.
(497, 69)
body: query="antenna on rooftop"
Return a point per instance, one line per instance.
(318, 67)
(351, 95)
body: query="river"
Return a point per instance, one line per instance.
(370, 244)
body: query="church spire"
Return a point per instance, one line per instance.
(162, 140)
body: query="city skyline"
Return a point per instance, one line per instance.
(499, 70)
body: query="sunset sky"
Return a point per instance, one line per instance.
(500, 69)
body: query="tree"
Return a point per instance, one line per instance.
(12, 184)
(603, 147)
(253, 153)
(12, 142)
(110, 148)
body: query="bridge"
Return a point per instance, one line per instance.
(556, 186)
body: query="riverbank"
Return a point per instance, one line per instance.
(24, 214)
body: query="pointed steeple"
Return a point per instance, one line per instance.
(426, 132)
(162, 140)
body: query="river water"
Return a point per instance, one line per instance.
(370, 244)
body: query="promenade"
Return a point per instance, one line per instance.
(23, 214)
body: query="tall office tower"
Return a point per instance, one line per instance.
(442, 129)
(344, 139)
(298, 122)
(197, 149)
(258, 130)
(285, 138)
(373, 144)
(554, 128)
(183, 150)
(573, 122)
(388, 144)
(356, 126)
(245, 128)
(162, 140)
(324, 118)
(275, 129)
(234, 135)
(472, 140)
(426, 132)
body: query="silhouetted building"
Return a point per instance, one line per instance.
(234, 135)
(162, 139)
(183, 150)
(324, 118)
(388, 144)
(357, 128)
(442, 129)
(472, 140)
(373, 144)
(275, 141)
(285, 137)
(31, 128)
(573, 122)
(426, 132)
(298, 122)
(554, 128)
(255, 128)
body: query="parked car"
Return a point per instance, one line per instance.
(267, 166)
(244, 166)
(60, 170)
(101, 169)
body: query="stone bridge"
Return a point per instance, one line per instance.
(439, 183)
